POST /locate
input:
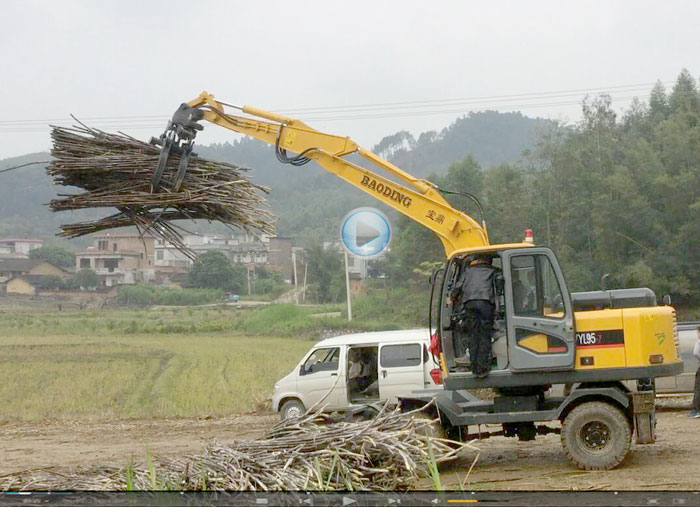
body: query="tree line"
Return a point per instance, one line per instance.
(612, 194)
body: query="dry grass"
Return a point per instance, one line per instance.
(97, 372)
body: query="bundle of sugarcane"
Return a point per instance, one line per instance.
(116, 171)
(388, 452)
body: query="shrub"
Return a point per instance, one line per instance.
(135, 295)
(142, 295)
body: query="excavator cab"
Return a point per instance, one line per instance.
(533, 323)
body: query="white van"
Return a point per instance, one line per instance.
(393, 364)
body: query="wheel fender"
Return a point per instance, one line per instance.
(286, 397)
(615, 394)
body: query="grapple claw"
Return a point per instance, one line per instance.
(179, 137)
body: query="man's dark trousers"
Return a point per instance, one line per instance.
(479, 317)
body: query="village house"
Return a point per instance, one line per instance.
(24, 285)
(10, 268)
(241, 248)
(24, 276)
(119, 258)
(19, 246)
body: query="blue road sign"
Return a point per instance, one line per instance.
(365, 232)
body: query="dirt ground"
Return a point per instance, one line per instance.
(81, 444)
(503, 463)
(671, 463)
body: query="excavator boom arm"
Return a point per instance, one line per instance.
(417, 199)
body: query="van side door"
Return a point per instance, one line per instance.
(400, 370)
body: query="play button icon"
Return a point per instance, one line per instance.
(365, 232)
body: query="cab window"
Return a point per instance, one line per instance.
(326, 359)
(536, 290)
(536, 293)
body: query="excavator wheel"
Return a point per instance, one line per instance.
(596, 436)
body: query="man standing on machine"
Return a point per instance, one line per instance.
(477, 299)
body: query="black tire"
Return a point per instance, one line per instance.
(596, 436)
(292, 409)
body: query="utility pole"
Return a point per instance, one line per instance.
(347, 286)
(294, 262)
(303, 294)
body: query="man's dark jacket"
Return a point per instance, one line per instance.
(476, 283)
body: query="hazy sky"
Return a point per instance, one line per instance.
(127, 65)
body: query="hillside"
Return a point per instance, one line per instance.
(491, 137)
(308, 201)
(23, 195)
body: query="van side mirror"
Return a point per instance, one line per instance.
(302, 371)
(666, 300)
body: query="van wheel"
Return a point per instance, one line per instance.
(292, 409)
(596, 436)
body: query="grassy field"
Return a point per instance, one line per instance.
(127, 364)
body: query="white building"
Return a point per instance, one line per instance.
(240, 248)
(357, 266)
(20, 246)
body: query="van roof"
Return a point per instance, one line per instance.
(377, 336)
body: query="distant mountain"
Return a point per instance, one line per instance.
(23, 194)
(309, 202)
(491, 137)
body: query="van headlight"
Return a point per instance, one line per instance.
(277, 386)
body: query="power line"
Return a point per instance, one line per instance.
(130, 120)
(488, 97)
(88, 118)
(459, 111)
(350, 115)
(8, 169)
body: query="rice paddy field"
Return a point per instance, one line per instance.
(110, 364)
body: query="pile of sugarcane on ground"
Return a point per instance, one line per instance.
(116, 171)
(388, 452)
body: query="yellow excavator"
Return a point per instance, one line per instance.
(605, 346)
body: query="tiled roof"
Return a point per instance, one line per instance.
(7, 265)
(13, 265)
(30, 279)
